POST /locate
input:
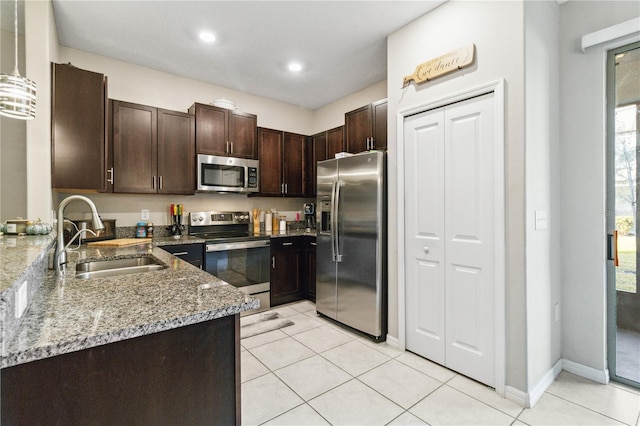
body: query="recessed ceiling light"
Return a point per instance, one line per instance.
(207, 36)
(295, 67)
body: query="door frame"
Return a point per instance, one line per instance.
(611, 298)
(498, 88)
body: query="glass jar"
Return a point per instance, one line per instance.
(141, 230)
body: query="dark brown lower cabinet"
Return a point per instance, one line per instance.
(310, 267)
(293, 269)
(286, 272)
(187, 375)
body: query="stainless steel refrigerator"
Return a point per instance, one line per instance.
(351, 268)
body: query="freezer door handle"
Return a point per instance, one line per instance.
(332, 224)
(336, 229)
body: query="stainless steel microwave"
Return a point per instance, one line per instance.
(227, 174)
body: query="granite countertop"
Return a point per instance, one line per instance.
(18, 253)
(69, 314)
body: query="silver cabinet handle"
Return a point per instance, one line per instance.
(153, 182)
(273, 262)
(226, 149)
(314, 244)
(287, 244)
(181, 253)
(110, 172)
(286, 188)
(231, 143)
(160, 178)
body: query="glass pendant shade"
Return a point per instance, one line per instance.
(17, 97)
(17, 93)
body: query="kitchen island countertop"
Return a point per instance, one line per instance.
(69, 314)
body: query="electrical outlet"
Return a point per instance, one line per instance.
(21, 299)
(144, 214)
(557, 312)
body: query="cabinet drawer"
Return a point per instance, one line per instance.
(285, 243)
(188, 252)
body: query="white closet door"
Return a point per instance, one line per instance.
(449, 234)
(469, 228)
(424, 228)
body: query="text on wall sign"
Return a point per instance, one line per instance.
(442, 65)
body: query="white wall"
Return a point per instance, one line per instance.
(134, 83)
(582, 156)
(496, 28)
(13, 138)
(542, 108)
(332, 115)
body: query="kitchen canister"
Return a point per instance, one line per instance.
(283, 225)
(268, 222)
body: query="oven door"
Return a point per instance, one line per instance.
(243, 264)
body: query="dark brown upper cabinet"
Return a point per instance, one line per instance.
(322, 146)
(79, 141)
(282, 163)
(366, 127)
(153, 150)
(220, 131)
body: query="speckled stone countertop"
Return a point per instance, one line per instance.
(69, 314)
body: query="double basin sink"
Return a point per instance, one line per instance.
(118, 266)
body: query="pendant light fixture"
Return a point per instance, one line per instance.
(17, 94)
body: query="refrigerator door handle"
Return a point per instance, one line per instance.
(332, 221)
(337, 221)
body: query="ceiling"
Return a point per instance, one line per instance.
(340, 44)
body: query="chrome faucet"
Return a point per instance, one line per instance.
(60, 253)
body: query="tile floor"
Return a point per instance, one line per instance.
(317, 373)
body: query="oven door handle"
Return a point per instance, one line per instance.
(237, 245)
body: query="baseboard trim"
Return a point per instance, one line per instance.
(529, 399)
(598, 376)
(515, 395)
(544, 383)
(393, 342)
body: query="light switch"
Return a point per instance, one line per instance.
(541, 219)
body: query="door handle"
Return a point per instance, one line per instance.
(273, 262)
(110, 172)
(612, 248)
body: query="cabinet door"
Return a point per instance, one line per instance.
(316, 151)
(176, 152)
(335, 142)
(379, 124)
(242, 135)
(358, 128)
(286, 261)
(211, 129)
(310, 252)
(270, 154)
(293, 164)
(78, 124)
(134, 148)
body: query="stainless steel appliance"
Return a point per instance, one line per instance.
(227, 174)
(72, 226)
(309, 216)
(351, 268)
(233, 254)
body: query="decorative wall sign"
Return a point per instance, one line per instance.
(442, 65)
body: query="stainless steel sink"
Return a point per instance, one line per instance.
(119, 266)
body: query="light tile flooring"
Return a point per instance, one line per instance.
(317, 373)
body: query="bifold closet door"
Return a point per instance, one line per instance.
(450, 236)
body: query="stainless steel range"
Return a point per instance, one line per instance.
(233, 253)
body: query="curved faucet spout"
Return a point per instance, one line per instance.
(60, 254)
